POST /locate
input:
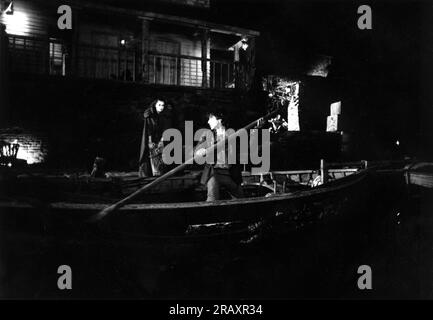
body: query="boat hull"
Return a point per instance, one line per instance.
(290, 210)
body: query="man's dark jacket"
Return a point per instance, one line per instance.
(234, 170)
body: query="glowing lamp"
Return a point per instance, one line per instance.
(17, 23)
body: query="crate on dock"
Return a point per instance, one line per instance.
(336, 108)
(332, 124)
(293, 117)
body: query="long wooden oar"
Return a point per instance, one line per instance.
(100, 215)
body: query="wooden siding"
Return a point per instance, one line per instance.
(28, 29)
(28, 20)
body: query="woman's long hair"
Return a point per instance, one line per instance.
(153, 104)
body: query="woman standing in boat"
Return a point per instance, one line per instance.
(150, 161)
(220, 174)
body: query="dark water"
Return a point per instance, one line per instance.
(390, 230)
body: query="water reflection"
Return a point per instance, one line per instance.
(319, 262)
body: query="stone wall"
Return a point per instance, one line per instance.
(33, 145)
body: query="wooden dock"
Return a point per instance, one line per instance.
(420, 174)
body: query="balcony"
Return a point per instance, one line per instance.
(129, 64)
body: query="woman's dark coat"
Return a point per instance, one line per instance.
(152, 132)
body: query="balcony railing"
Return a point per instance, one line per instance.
(188, 71)
(54, 57)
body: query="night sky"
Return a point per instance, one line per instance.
(299, 28)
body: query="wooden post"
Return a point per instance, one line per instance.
(72, 68)
(323, 171)
(47, 57)
(125, 63)
(236, 71)
(145, 38)
(4, 76)
(178, 70)
(204, 40)
(134, 66)
(252, 62)
(119, 52)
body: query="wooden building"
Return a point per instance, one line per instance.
(68, 89)
(128, 43)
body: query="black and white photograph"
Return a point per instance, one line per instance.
(216, 150)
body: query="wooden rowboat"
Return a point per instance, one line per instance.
(283, 197)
